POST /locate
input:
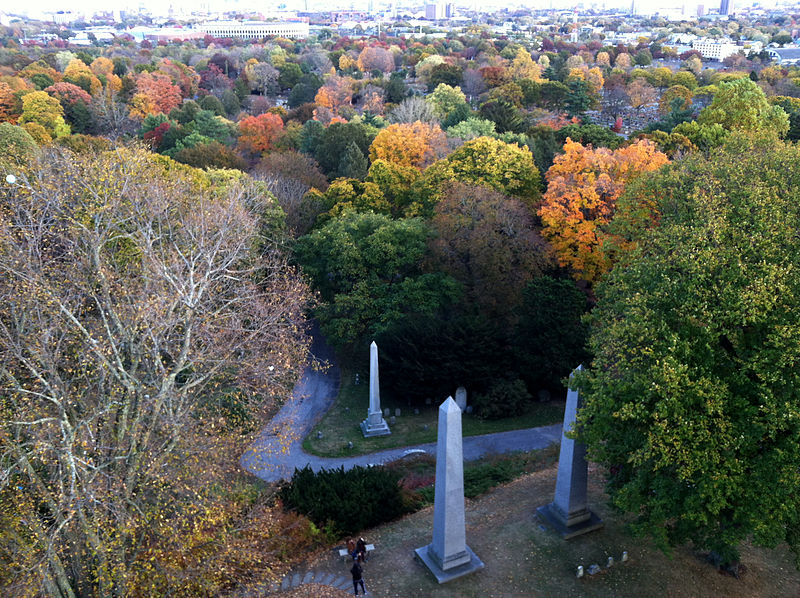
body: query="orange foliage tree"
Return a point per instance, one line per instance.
(376, 58)
(416, 144)
(582, 191)
(335, 94)
(8, 111)
(259, 133)
(159, 91)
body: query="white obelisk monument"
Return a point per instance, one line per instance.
(374, 425)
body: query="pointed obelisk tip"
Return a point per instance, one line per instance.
(449, 405)
(372, 345)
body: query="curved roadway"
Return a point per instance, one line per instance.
(278, 449)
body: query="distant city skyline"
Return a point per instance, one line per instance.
(186, 6)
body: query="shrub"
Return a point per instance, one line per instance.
(345, 501)
(505, 398)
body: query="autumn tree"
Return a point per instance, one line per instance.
(741, 105)
(8, 103)
(675, 92)
(155, 92)
(41, 109)
(147, 320)
(641, 94)
(487, 241)
(692, 396)
(417, 144)
(504, 167)
(336, 93)
(376, 58)
(445, 99)
(262, 77)
(523, 67)
(582, 190)
(78, 73)
(258, 134)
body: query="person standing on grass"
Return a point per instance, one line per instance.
(357, 579)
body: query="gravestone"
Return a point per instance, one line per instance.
(374, 425)
(569, 514)
(461, 398)
(416, 411)
(448, 557)
(387, 412)
(397, 412)
(392, 420)
(428, 401)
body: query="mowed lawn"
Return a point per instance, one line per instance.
(340, 426)
(524, 560)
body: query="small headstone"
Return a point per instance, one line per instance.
(392, 420)
(347, 409)
(624, 556)
(428, 401)
(579, 573)
(425, 427)
(387, 412)
(416, 411)
(350, 445)
(468, 409)
(461, 398)
(593, 569)
(319, 434)
(610, 562)
(397, 412)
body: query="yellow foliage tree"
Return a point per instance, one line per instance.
(583, 187)
(416, 144)
(523, 67)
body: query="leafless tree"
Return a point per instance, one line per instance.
(413, 109)
(131, 296)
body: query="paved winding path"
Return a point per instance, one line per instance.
(278, 449)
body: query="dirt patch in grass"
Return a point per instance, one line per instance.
(340, 425)
(525, 560)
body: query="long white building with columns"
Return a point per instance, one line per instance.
(254, 29)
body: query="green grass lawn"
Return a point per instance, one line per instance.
(341, 424)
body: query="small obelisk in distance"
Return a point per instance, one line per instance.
(374, 425)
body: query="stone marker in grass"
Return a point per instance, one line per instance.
(374, 425)
(448, 557)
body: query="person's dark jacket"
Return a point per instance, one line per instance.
(356, 571)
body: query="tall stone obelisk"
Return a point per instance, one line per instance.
(569, 513)
(374, 425)
(448, 556)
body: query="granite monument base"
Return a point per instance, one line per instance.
(444, 575)
(380, 429)
(565, 528)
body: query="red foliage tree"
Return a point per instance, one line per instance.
(259, 133)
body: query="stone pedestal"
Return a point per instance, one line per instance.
(448, 556)
(569, 514)
(374, 425)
